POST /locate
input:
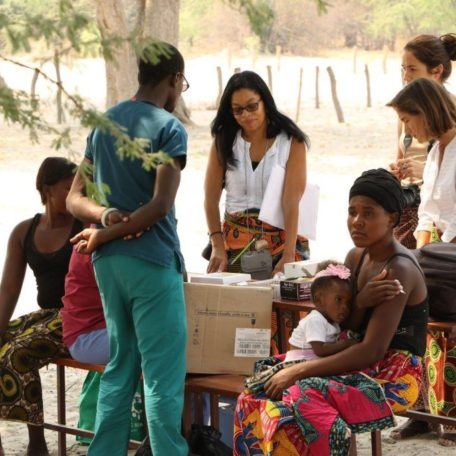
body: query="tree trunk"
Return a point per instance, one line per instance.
(150, 18)
(121, 71)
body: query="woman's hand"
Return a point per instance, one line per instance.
(282, 380)
(409, 167)
(87, 240)
(286, 258)
(395, 171)
(219, 259)
(378, 290)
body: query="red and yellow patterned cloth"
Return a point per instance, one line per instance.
(317, 415)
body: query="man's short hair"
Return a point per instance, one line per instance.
(168, 61)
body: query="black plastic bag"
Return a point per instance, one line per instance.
(144, 449)
(205, 441)
(438, 262)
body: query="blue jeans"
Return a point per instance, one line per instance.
(91, 347)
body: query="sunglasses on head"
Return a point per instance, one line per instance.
(250, 107)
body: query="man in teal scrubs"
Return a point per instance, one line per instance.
(140, 279)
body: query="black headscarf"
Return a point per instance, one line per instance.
(382, 187)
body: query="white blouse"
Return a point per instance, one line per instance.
(438, 193)
(244, 186)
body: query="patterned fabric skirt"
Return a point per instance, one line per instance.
(316, 416)
(406, 227)
(240, 228)
(438, 392)
(30, 342)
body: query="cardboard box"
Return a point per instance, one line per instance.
(306, 268)
(220, 278)
(229, 327)
(296, 289)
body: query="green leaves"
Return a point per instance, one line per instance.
(60, 26)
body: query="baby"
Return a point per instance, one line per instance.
(317, 334)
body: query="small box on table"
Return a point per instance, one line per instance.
(296, 289)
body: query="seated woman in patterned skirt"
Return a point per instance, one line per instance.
(32, 340)
(309, 405)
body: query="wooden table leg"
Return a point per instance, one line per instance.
(198, 404)
(61, 412)
(376, 443)
(352, 451)
(187, 414)
(214, 400)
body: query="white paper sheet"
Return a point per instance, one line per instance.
(271, 210)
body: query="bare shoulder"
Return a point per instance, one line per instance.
(20, 230)
(405, 266)
(408, 272)
(297, 146)
(353, 258)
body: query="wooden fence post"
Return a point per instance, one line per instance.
(340, 114)
(317, 87)
(368, 86)
(298, 106)
(60, 113)
(385, 60)
(278, 56)
(355, 57)
(269, 77)
(220, 86)
(36, 73)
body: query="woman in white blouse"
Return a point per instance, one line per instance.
(250, 137)
(429, 112)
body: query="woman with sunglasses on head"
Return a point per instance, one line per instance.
(250, 137)
(429, 57)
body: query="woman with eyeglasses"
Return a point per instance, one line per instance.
(429, 57)
(429, 112)
(250, 137)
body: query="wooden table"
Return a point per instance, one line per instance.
(288, 315)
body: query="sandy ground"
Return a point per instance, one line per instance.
(339, 153)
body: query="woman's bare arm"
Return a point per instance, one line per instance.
(213, 185)
(13, 273)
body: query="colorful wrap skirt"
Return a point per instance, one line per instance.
(240, 228)
(440, 375)
(316, 416)
(30, 342)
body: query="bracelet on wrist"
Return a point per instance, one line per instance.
(214, 233)
(105, 214)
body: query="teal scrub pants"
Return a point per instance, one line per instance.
(145, 317)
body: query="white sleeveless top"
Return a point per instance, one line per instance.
(244, 186)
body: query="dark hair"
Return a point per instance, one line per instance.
(428, 98)
(52, 171)
(225, 127)
(325, 282)
(434, 51)
(153, 68)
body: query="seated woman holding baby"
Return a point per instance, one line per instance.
(305, 403)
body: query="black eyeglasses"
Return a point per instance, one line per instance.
(251, 107)
(185, 84)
